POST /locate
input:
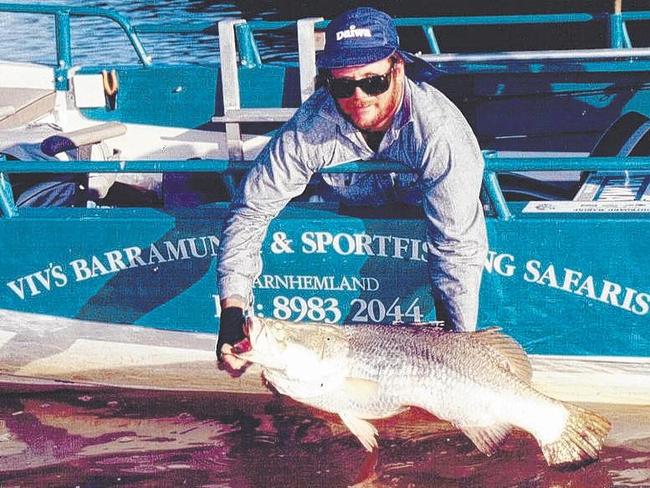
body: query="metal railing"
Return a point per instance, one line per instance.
(241, 50)
(62, 15)
(236, 43)
(493, 166)
(248, 53)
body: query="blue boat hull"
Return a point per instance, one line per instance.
(569, 284)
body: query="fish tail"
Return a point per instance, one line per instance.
(580, 441)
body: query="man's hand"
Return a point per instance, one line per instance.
(232, 336)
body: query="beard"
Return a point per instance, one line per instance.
(375, 113)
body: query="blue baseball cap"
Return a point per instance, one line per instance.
(360, 36)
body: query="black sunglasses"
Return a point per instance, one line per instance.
(372, 85)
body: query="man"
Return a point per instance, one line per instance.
(368, 109)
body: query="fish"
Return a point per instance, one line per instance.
(478, 381)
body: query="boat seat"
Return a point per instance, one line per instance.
(20, 106)
(629, 135)
(82, 138)
(64, 189)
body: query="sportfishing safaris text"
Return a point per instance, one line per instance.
(571, 281)
(326, 308)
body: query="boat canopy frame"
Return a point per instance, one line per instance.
(248, 54)
(238, 50)
(236, 42)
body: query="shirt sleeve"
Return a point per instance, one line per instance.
(456, 234)
(279, 174)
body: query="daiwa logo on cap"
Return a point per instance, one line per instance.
(352, 31)
(358, 37)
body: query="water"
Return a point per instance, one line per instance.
(121, 438)
(98, 41)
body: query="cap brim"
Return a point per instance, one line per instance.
(408, 57)
(419, 69)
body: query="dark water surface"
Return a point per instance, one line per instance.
(125, 438)
(98, 41)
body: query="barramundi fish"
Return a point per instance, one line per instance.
(478, 381)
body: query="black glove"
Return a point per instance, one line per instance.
(231, 328)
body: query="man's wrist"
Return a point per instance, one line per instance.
(233, 301)
(231, 330)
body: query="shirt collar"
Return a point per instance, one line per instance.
(403, 114)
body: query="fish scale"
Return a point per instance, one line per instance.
(479, 381)
(409, 372)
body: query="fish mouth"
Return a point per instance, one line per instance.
(253, 328)
(248, 355)
(242, 347)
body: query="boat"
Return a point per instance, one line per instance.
(120, 288)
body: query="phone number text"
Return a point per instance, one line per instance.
(328, 310)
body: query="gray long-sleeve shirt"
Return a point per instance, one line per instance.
(428, 134)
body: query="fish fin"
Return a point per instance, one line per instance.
(581, 440)
(487, 439)
(360, 390)
(511, 355)
(364, 430)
